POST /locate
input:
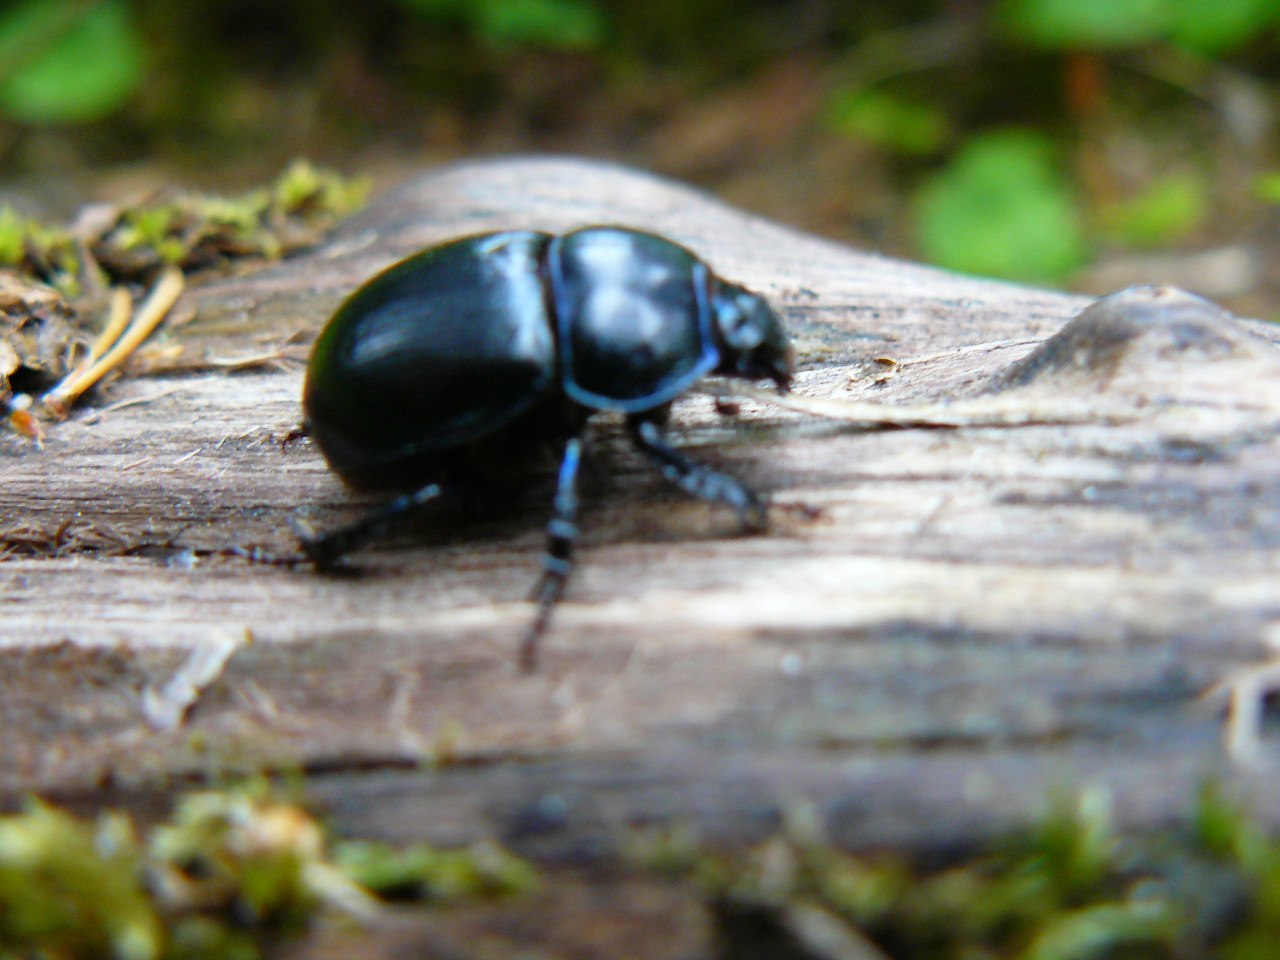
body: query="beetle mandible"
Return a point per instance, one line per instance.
(457, 367)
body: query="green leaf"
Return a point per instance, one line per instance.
(539, 23)
(1215, 26)
(1165, 211)
(546, 23)
(888, 120)
(67, 68)
(1086, 23)
(1267, 187)
(1002, 209)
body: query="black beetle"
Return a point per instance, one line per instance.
(456, 367)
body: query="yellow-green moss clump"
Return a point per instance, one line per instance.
(129, 244)
(195, 231)
(227, 877)
(234, 873)
(1071, 889)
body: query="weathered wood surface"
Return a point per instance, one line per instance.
(941, 630)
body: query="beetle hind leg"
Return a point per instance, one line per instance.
(557, 560)
(695, 479)
(326, 549)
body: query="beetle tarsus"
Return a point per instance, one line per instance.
(557, 560)
(326, 549)
(697, 480)
(550, 590)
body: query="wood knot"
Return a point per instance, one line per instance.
(1138, 327)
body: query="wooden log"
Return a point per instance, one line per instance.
(941, 630)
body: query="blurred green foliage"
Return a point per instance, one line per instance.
(1164, 212)
(926, 86)
(1267, 187)
(1208, 26)
(69, 61)
(895, 122)
(552, 23)
(1002, 208)
(63, 62)
(1084, 23)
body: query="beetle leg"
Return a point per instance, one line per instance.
(695, 479)
(326, 549)
(557, 560)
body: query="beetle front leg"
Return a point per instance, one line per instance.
(695, 479)
(326, 549)
(557, 560)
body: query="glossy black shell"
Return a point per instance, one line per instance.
(494, 333)
(442, 348)
(632, 316)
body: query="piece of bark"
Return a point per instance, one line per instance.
(942, 630)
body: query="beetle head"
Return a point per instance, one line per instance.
(753, 343)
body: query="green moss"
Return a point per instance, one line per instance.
(1069, 889)
(196, 231)
(71, 888)
(40, 251)
(305, 190)
(244, 854)
(227, 877)
(191, 230)
(424, 872)
(235, 872)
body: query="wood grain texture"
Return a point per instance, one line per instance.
(940, 631)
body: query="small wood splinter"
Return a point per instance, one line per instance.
(118, 340)
(1245, 693)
